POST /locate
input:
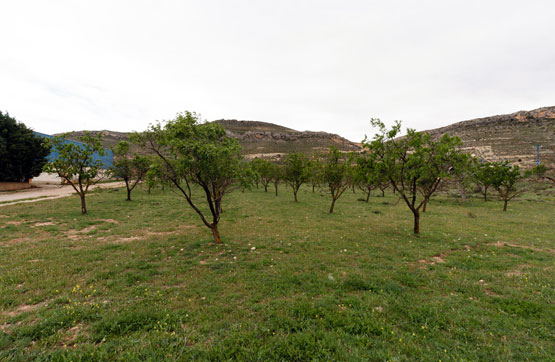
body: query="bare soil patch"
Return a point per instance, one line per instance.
(25, 308)
(110, 221)
(500, 244)
(47, 223)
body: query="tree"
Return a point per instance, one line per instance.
(315, 172)
(22, 154)
(263, 169)
(541, 171)
(131, 169)
(482, 174)
(194, 153)
(504, 178)
(277, 175)
(296, 171)
(76, 164)
(335, 175)
(462, 173)
(415, 164)
(365, 173)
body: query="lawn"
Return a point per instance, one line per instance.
(142, 280)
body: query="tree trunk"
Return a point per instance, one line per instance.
(505, 205)
(463, 192)
(383, 192)
(485, 194)
(368, 196)
(276, 186)
(332, 205)
(295, 193)
(416, 222)
(265, 187)
(424, 206)
(83, 205)
(128, 194)
(312, 188)
(216, 234)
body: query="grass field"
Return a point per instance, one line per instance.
(142, 280)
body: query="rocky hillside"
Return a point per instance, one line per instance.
(259, 138)
(109, 138)
(512, 137)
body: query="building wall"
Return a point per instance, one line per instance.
(107, 159)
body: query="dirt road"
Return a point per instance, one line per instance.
(46, 192)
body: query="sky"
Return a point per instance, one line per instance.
(308, 65)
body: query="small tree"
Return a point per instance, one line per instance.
(542, 172)
(194, 153)
(315, 172)
(296, 171)
(482, 175)
(415, 164)
(277, 175)
(505, 178)
(335, 175)
(131, 169)
(76, 164)
(462, 173)
(263, 169)
(22, 154)
(365, 173)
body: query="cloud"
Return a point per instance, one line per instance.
(318, 65)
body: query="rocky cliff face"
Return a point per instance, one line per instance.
(257, 139)
(260, 138)
(512, 137)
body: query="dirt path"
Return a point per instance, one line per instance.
(47, 192)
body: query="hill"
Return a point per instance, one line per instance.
(257, 138)
(512, 137)
(261, 138)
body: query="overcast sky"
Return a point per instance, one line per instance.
(309, 65)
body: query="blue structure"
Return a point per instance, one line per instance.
(107, 159)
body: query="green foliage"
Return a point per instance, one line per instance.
(462, 172)
(415, 164)
(366, 173)
(75, 163)
(296, 171)
(335, 174)
(542, 172)
(131, 169)
(277, 175)
(22, 154)
(483, 176)
(315, 171)
(504, 179)
(263, 170)
(195, 153)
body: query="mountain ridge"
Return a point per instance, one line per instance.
(512, 137)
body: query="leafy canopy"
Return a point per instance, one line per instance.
(22, 153)
(415, 164)
(76, 163)
(192, 152)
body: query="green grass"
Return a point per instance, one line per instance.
(142, 280)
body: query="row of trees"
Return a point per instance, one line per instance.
(195, 157)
